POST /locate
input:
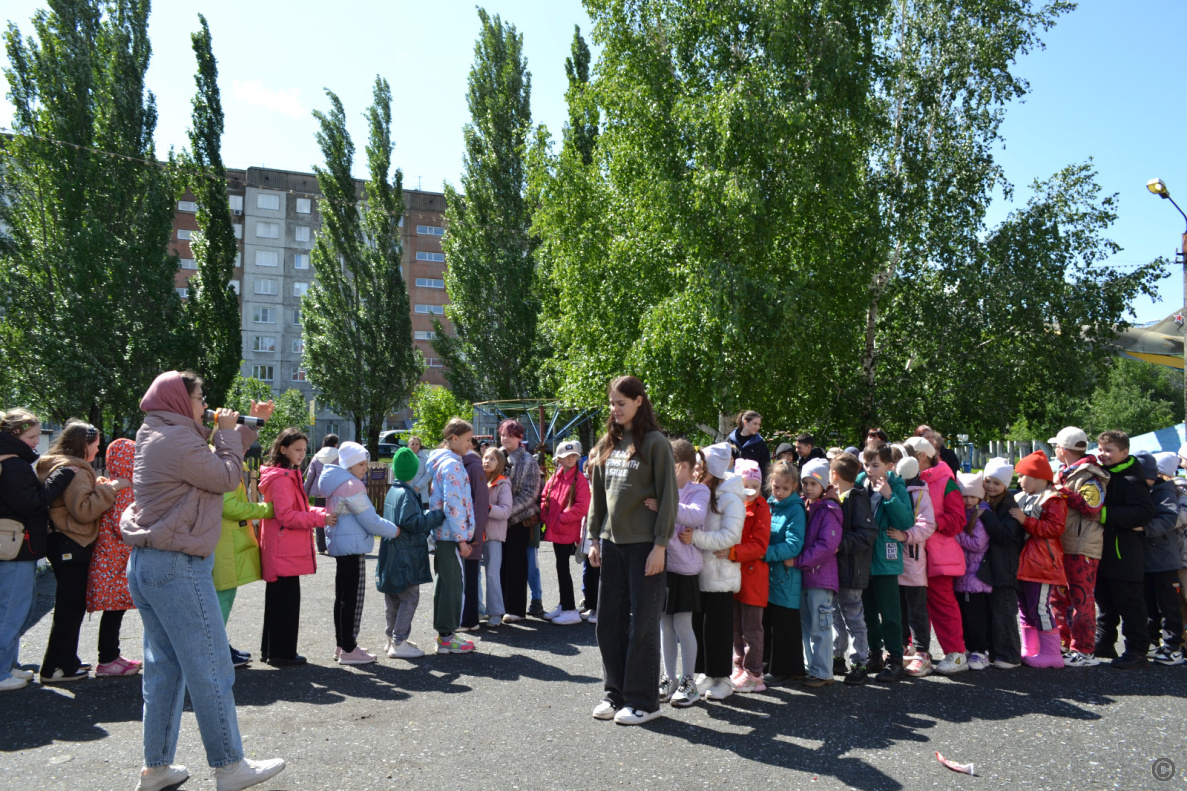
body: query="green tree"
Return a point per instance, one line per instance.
(432, 407)
(488, 249)
(1135, 397)
(581, 131)
(213, 306)
(292, 411)
(90, 316)
(357, 328)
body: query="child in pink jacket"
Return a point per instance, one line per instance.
(563, 504)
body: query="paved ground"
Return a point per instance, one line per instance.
(516, 715)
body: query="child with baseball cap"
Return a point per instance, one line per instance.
(563, 505)
(1040, 566)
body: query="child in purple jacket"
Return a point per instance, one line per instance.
(818, 563)
(972, 593)
(684, 563)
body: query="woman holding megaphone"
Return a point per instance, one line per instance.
(173, 527)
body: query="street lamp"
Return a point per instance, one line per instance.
(1158, 187)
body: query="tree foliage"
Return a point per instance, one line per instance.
(1135, 397)
(212, 309)
(357, 327)
(432, 407)
(491, 268)
(90, 316)
(292, 411)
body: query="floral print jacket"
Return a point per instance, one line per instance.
(451, 494)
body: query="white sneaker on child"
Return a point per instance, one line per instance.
(686, 694)
(978, 661)
(405, 649)
(952, 663)
(567, 618)
(604, 711)
(554, 612)
(667, 686)
(719, 688)
(629, 716)
(1076, 659)
(246, 773)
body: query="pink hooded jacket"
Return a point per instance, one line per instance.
(945, 558)
(286, 540)
(563, 525)
(915, 558)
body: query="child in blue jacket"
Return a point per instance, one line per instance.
(783, 647)
(348, 542)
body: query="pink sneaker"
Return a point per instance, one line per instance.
(738, 676)
(119, 667)
(750, 683)
(359, 656)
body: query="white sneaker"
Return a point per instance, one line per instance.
(548, 616)
(667, 686)
(1076, 659)
(955, 662)
(592, 617)
(405, 650)
(1002, 664)
(12, 682)
(25, 674)
(719, 688)
(512, 618)
(686, 694)
(978, 661)
(247, 773)
(604, 711)
(161, 777)
(567, 618)
(495, 620)
(629, 716)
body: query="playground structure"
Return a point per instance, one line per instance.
(546, 419)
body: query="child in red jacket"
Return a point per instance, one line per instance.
(1040, 567)
(751, 600)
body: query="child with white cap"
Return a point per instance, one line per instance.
(720, 578)
(751, 598)
(972, 593)
(1162, 562)
(818, 563)
(999, 567)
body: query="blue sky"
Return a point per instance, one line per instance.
(1107, 86)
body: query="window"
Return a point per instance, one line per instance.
(239, 255)
(425, 335)
(182, 291)
(301, 261)
(238, 229)
(268, 230)
(434, 362)
(187, 205)
(421, 255)
(269, 201)
(298, 375)
(235, 286)
(431, 230)
(428, 282)
(263, 372)
(265, 285)
(298, 345)
(263, 316)
(297, 317)
(301, 234)
(332, 428)
(299, 289)
(236, 202)
(184, 234)
(436, 309)
(267, 258)
(189, 263)
(263, 343)
(304, 205)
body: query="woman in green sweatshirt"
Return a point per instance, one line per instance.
(631, 463)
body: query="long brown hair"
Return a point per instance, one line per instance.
(644, 422)
(500, 463)
(286, 438)
(18, 421)
(73, 440)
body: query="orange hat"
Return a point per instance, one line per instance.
(1036, 466)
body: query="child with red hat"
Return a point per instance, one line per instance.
(1040, 567)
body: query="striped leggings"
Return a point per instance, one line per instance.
(1034, 606)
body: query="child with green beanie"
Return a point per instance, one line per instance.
(404, 560)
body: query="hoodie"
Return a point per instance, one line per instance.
(358, 523)
(451, 494)
(722, 530)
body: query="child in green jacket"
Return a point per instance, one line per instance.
(892, 510)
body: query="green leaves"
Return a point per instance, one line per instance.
(433, 406)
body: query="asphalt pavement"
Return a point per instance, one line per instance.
(516, 715)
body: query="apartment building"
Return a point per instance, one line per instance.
(276, 221)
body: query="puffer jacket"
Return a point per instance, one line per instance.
(945, 558)
(1083, 484)
(1163, 531)
(974, 545)
(722, 530)
(404, 560)
(237, 555)
(684, 558)
(749, 554)
(1042, 554)
(451, 494)
(286, 540)
(562, 521)
(358, 522)
(77, 512)
(788, 523)
(915, 547)
(818, 559)
(25, 498)
(500, 509)
(178, 483)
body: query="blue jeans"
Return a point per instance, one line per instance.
(185, 647)
(534, 573)
(816, 621)
(17, 587)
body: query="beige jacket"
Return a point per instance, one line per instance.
(1084, 535)
(76, 513)
(178, 483)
